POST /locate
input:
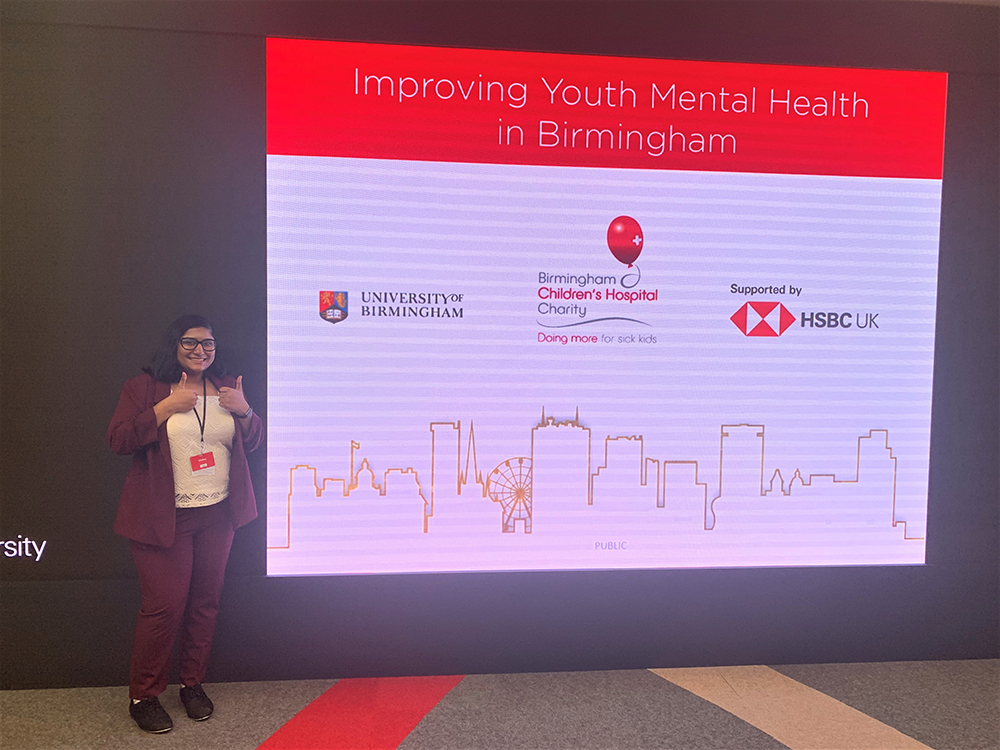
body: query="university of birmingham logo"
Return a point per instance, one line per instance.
(763, 319)
(333, 306)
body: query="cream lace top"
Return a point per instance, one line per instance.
(185, 441)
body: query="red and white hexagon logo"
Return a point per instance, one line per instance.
(763, 319)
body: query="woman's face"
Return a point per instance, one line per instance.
(195, 361)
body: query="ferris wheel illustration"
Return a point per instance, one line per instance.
(510, 485)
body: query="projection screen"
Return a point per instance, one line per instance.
(532, 311)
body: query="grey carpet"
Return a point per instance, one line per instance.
(948, 705)
(246, 714)
(945, 705)
(632, 709)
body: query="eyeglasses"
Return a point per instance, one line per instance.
(189, 345)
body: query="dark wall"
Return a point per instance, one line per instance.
(132, 167)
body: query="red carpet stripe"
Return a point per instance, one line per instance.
(364, 714)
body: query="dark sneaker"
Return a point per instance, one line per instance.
(150, 716)
(198, 705)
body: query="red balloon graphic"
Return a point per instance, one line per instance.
(625, 239)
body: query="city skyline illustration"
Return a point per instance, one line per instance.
(576, 496)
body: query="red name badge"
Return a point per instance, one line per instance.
(203, 464)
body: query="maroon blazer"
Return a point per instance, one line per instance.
(147, 509)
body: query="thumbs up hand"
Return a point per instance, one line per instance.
(232, 398)
(183, 398)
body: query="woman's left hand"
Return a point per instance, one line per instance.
(232, 399)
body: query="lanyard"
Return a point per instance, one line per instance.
(203, 419)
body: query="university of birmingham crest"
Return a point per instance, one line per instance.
(333, 306)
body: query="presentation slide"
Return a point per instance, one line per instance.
(532, 311)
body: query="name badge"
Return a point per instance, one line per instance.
(203, 465)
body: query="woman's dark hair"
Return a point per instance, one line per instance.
(165, 367)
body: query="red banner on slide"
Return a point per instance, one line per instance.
(381, 101)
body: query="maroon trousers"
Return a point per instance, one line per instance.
(180, 587)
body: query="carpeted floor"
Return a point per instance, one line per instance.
(904, 706)
(948, 705)
(578, 710)
(246, 714)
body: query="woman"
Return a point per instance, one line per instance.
(188, 427)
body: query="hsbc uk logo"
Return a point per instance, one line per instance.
(773, 319)
(763, 319)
